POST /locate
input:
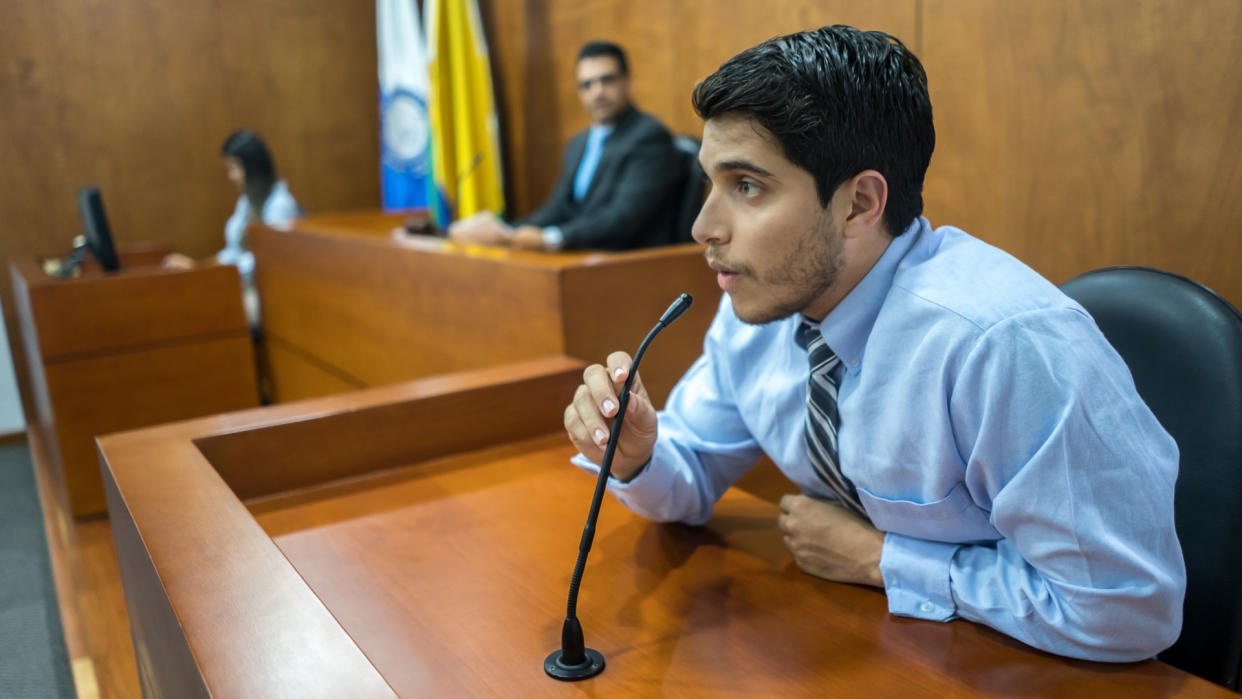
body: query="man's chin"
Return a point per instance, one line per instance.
(757, 314)
(606, 116)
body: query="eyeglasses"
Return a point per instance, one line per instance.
(605, 80)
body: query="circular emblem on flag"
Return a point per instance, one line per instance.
(405, 132)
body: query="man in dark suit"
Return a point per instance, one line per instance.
(620, 182)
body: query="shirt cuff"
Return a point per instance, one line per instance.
(553, 238)
(916, 577)
(647, 493)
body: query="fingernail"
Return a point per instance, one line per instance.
(599, 436)
(617, 374)
(609, 406)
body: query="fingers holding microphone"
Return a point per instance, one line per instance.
(589, 417)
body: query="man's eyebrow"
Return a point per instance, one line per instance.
(746, 165)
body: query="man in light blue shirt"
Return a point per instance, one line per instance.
(1006, 470)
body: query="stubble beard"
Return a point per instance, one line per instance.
(806, 273)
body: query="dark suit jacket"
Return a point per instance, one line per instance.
(633, 198)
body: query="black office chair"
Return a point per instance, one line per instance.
(692, 191)
(1183, 344)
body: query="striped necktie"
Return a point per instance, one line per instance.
(822, 419)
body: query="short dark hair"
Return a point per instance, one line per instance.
(257, 164)
(839, 101)
(592, 49)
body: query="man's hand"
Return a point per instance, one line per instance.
(484, 228)
(829, 541)
(588, 418)
(528, 238)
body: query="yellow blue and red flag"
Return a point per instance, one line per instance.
(465, 135)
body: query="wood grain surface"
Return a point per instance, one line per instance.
(1078, 135)
(111, 352)
(452, 579)
(447, 576)
(208, 592)
(671, 46)
(345, 307)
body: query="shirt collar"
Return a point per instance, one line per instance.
(849, 324)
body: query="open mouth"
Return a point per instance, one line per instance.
(725, 276)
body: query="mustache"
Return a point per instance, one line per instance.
(713, 255)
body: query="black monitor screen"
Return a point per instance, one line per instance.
(95, 226)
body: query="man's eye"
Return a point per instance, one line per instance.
(745, 187)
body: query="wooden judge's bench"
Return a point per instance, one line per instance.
(345, 306)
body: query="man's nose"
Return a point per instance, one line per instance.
(709, 227)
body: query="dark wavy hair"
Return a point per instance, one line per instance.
(256, 163)
(839, 101)
(605, 48)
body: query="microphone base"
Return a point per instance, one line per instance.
(591, 666)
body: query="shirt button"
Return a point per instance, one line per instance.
(926, 607)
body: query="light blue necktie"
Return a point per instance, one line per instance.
(590, 160)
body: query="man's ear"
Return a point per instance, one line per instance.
(868, 197)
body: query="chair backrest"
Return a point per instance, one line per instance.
(1183, 345)
(692, 192)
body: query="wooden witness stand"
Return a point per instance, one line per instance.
(417, 540)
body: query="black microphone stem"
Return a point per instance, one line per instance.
(605, 469)
(574, 661)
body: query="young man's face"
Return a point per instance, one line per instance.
(602, 88)
(775, 249)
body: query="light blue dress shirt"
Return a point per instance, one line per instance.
(280, 209)
(590, 159)
(991, 430)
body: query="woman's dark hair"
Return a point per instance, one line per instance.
(594, 49)
(256, 163)
(839, 101)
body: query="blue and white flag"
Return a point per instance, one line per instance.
(405, 157)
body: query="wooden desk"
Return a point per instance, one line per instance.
(418, 539)
(111, 352)
(346, 307)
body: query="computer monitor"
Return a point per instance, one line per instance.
(95, 227)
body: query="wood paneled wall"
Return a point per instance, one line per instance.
(137, 96)
(1080, 134)
(671, 46)
(1075, 134)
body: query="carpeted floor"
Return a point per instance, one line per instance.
(33, 662)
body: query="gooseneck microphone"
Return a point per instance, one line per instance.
(574, 661)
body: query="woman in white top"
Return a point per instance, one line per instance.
(263, 197)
